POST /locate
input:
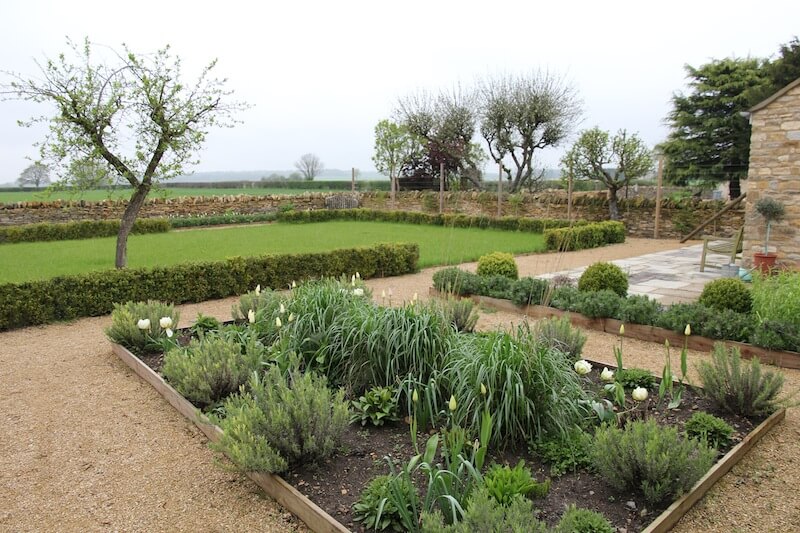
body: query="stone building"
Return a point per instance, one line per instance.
(775, 171)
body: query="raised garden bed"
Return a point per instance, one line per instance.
(778, 358)
(336, 484)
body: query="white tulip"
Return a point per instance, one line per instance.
(282, 309)
(169, 333)
(278, 321)
(383, 294)
(639, 394)
(607, 375)
(258, 289)
(251, 316)
(358, 276)
(583, 367)
(291, 317)
(143, 324)
(165, 322)
(358, 291)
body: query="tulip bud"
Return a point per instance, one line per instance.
(622, 329)
(415, 396)
(294, 285)
(353, 279)
(688, 330)
(291, 317)
(483, 389)
(607, 375)
(258, 289)
(452, 404)
(358, 276)
(251, 316)
(278, 322)
(639, 394)
(282, 309)
(383, 294)
(666, 343)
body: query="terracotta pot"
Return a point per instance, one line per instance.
(764, 262)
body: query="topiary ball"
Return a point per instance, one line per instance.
(498, 264)
(601, 276)
(727, 293)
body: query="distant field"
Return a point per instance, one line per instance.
(438, 246)
(93, 195)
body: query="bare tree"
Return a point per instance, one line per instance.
(522, 114)
(133, 114)
(310, 166)
(36, 174)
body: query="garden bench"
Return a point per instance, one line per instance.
(730, 246)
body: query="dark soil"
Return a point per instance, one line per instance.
(336, 484)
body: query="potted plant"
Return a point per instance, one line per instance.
(772, 210)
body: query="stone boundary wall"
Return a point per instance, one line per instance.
(638, 214)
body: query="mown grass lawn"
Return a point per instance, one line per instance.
(438, 246)
(95, 195)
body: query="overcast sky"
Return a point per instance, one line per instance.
(321, 74)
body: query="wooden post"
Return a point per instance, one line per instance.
(658, 196)
(441, 188)
(353, 179)
(500, 191)
(569, 195)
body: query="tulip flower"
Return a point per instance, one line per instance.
(169, 333)
(383, 294)
(622, 329)
(251, 316)
(291, 317)
(358, 276)
(165, 322)
(358, 291)
(452, 404)
(353, 280)
(607, 375)
(639, 394)
(483, 389)
(258, 289)
(278, 322)
(282, 309)
(415, 396)
(143, 324)
(583, 367)
(688, 330)
(294, 285)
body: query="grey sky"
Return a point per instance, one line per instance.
(321, 74)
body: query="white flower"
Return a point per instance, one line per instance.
(639, 394)
(383, 294)
(353, 280)
(622, 329)
(583, 367)
(607, 375)
(169, 333)
(452, 403)
(294, 285)
(415, 396)
(688, 330)
(251, 316)
(358, 276)
(258, 289)
(483, 389)
(282, 309)
(358, 291)
(143, 324)
(278, 321)
(165, 322)
(291, 317)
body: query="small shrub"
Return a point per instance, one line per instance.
(461, 313)
(639, 309)
(601, 276)
(450, 280)
(630, 378)
(204, 324)
(367, 509)
(212, 368)
(575, 520)
(565, 453)
(497, 287)
(505, 483)
(676, 316)
(651, 459)
(585, 236)
(377, 406)
(282, 420)
(604, 303)
(727, 324)
(498, 264)
(737, 388)
(484, 513)
(529, 291)
(714, 430)
(727, 293)
(776, 335)
(566, 298)
(558, 333)
(125, 322)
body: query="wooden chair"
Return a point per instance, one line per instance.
(730, 246)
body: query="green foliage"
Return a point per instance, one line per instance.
(498, 264)
(775, 335)
(639, 309)
(650, 459)
(585, 236)
(566, 298)
(676, 316)
(220, 220)
(727, 293)
(377, 406)
(557, 333)
(603, 303)
(85, 229)
(259, 301)
(504, 483)
(204, 324)
(455, 281)
(484, 513)
(461, 313)
(375, 500)
(630, 378)
(94, 293)
(282, 420)
(213, 367)
(496, 286)
(727, 324)
(771, 209)
(576, 520)
(740, 389)
(124, 329)
(599, 276)
(713, 430)
(777, 297)
(565, 453)
(529, 291)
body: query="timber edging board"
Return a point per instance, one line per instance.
(642, 332)
(274, 485)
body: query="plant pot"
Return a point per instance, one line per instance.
(764, 262)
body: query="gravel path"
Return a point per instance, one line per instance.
(87, 446)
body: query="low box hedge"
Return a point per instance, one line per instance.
(94, 293)
(532, 225)
(84, 229)
(585, 236)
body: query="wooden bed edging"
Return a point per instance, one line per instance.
(672, 514)
(641, 332)
(274, 485)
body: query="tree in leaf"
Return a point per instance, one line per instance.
(395, 147)
(522, 114)
(613, 160)
(131, 113)
(310, 166)
(709, 139)
(36, 174)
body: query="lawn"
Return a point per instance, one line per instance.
(438, 246)
(94, 195)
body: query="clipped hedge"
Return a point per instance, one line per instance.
(94, 293)
(585, 236)
(85, 229)
(414, 217)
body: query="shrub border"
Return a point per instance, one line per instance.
(321, 522)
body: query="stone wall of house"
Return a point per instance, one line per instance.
(638, 213)
(775, 172)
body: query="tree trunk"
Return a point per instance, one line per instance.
(735, 188)
(126, 225)
(613, 208)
